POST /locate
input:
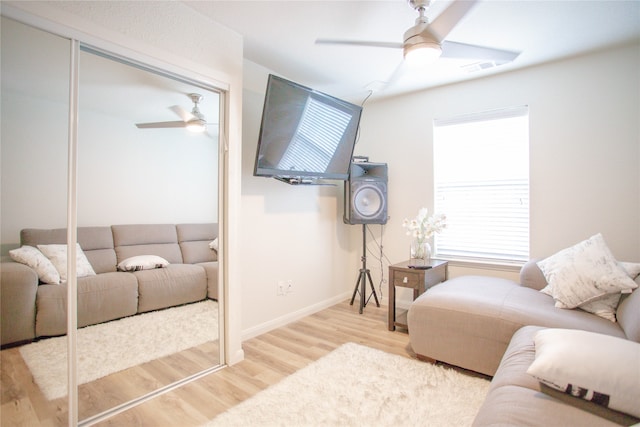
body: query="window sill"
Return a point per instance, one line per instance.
(500, 265)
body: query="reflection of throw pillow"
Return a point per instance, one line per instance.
(142, 262)
(584, 272)
(214, 244)
(57, 254)
(596, 367)
(32, 257)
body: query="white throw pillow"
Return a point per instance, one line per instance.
(606, 305)
(35, 259)
(214, 244)
(599, 368)
(632, 268)
(57, 254)
(584, 272)
(142, 262)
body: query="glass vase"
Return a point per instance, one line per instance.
(420, 250)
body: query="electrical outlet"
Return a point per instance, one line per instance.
(289, 286)
(282, 288)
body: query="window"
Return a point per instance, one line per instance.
(481, 175)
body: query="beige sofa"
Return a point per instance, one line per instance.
(485, 325)
(30, 309)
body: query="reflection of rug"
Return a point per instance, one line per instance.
(113, 346)
(360, 386)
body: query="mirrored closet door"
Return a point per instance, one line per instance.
(143, 172)
(142, 180)
(35, 80)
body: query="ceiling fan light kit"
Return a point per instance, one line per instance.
(420, 46)
(197, 125)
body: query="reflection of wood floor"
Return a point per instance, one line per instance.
(268, 359)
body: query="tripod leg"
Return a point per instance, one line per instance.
(355, 291)
(363, 290)
(373, 289)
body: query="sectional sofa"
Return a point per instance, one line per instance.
(497, 327)
(134, 268)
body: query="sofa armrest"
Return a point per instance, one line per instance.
(18, 287)
(531, 276)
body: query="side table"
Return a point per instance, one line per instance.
(419, 279)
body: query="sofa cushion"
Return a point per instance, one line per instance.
(194, 242)
(174, 285)
(584, 272)
(211, 270)
(18, 287)
(96, 242)
(628, 315)
(602, 369)
(146, 239)
(101, 298)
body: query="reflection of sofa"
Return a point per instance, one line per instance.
(31, 309)
(480, 323)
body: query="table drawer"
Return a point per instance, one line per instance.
(406, 279)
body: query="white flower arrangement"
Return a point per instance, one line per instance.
(423, 226)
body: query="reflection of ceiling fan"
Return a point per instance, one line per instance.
(193, 121)
(426, 41)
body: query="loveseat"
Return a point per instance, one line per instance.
(188, 273)
(488, 325)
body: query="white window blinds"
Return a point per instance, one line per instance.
(481, 175)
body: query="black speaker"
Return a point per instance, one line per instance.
(365, 194)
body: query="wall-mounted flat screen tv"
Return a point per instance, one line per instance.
(305, 135)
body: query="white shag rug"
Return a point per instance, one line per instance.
(360, 386)
(120, 344)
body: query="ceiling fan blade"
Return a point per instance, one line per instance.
(182, 113)
(392, 45)
(161, 125)
(397, 75)
(449, 18)
(469, 51)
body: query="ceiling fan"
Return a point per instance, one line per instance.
(193, 121)
(425, 41)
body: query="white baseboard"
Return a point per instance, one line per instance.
(292, 317)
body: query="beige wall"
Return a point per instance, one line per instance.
(289, 233)
(584, 149)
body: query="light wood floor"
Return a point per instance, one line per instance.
(268, 358)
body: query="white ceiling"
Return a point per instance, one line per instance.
(280, 35)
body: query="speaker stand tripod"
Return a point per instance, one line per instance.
(364, 275)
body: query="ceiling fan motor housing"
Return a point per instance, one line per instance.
(418, 37)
